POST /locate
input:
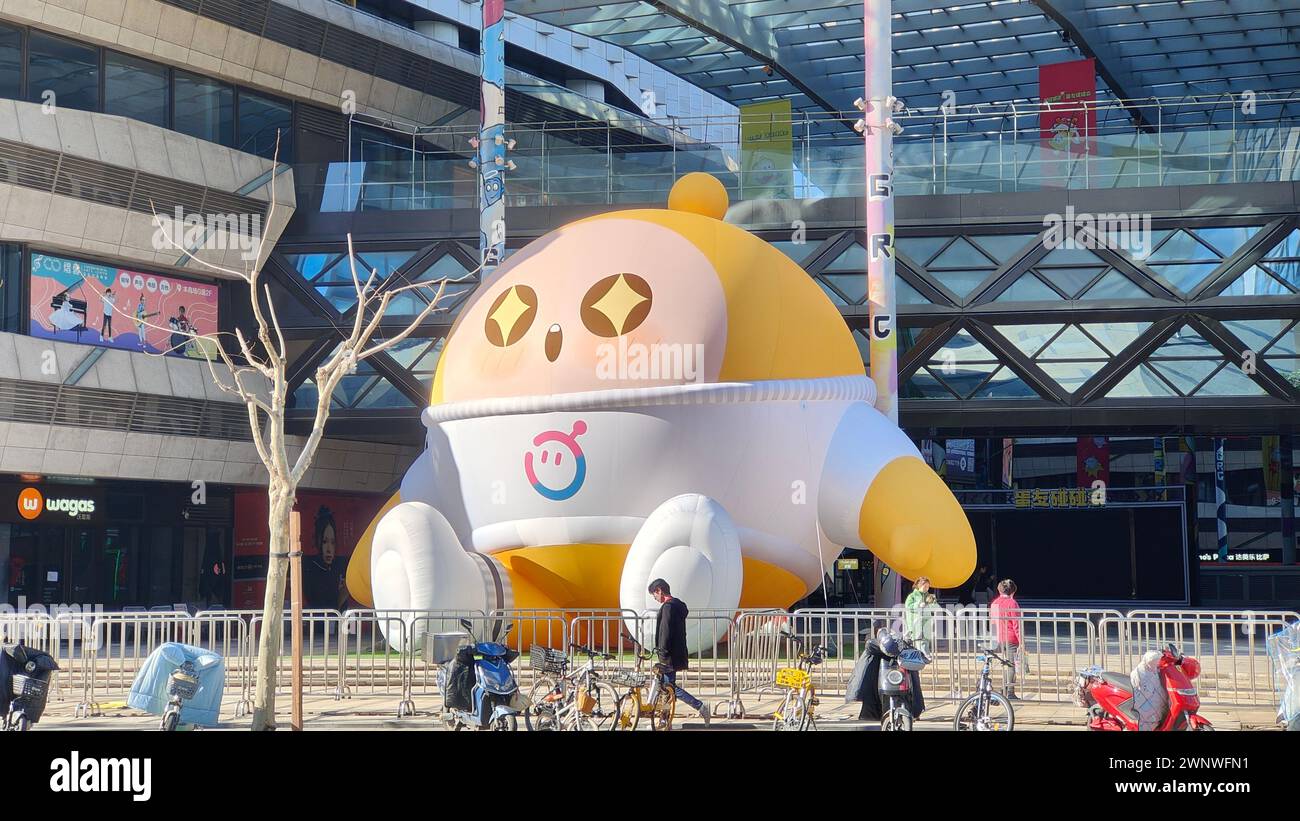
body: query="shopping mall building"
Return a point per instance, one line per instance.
(1118, 417)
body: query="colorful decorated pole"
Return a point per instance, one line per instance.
(491, 142)
(878, 128)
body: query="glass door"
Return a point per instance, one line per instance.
(82, 587)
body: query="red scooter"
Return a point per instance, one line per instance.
(1108, 697)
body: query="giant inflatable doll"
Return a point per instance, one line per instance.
(652, 393)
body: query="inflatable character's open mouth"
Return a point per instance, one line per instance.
(826, 389)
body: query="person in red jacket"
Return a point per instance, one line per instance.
(1004, 613)
(670, 642)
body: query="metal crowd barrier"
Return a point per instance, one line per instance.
(1230, 647)
(736, 655)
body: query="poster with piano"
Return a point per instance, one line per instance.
(77, 301)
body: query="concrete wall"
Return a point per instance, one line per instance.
(54, 221)
(106, 454)
(97, 452)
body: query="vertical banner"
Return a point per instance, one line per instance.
(1221, 499)
(1158, 463)
(1093, 457)
(767, 151)
(1067, 92)
(1271, 459)
(877, 105)
(491, 136)
(1187, 463)
(1008, 451)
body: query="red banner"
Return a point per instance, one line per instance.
(1068, 118)
(1093, 455)
(331, 524)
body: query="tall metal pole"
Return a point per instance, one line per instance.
(877, 127)
(491, 136)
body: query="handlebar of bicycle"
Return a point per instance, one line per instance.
(589, 653)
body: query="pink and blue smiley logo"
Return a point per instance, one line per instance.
(550, 448)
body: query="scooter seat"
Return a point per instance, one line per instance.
(1119, 680)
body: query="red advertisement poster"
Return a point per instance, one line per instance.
(331, 523)
(1093, 454)
(1068, 118)
(77, 301)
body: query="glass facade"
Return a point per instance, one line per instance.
(205, 108)
(11, 62)
(62, 72)
(78, 75)
(136, 89)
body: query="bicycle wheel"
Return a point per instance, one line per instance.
(583, 724)
(542, 687)
(604, 703)
(990, 713)
(169, 721)
(897, 720)
(781, 718)
(665, 706)
(806, 721)
(505, 724)
(627, 711)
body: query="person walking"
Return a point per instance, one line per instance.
(918, 614)
(670, 642)
(1004, 613)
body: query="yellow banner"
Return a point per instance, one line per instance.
(767, 151)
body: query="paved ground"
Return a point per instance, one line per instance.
(380, 713)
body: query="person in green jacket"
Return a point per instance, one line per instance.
(918, 617)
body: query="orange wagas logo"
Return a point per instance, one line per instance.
(30, 503)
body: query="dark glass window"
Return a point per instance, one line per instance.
(135, 88)
(205, 108)
(259, 120)
(11, 278)
(11, 63)
(67, 68)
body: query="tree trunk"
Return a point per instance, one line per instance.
(268, 648)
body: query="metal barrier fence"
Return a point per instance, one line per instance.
(735, 656)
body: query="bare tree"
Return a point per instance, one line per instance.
(256, 372)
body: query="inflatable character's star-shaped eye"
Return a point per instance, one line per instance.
(511, 316)
(616, 305)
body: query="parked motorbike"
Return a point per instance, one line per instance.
(1108, 696)
(890, 684)
(26, 677)
(479, 690)
(182, 685)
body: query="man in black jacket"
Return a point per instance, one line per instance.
(670, 642)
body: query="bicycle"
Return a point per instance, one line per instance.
(986, 710)
(570, 701)
(648, 694)
(799, 704)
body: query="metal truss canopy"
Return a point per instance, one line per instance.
(983, 52)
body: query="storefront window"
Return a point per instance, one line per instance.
(65, 68)
(135, 88)
(205, 108)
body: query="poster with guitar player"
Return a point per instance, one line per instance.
(78, 301)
